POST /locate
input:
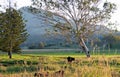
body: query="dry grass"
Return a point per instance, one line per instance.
(100, 66)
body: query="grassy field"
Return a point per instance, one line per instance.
(51, 64)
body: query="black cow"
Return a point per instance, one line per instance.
(70, 59)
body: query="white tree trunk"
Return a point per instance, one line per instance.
(84, 47)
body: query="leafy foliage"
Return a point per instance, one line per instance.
(12, 30)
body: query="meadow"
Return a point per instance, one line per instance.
(54, 64)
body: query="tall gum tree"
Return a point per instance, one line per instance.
(81, 17)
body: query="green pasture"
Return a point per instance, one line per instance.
(33, 53)
(71, 52)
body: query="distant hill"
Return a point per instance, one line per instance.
(36, 28)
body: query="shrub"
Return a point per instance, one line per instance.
(31, 68)
(14, 69)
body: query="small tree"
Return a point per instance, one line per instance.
(41, 45)
(81, 17)
(12, 31)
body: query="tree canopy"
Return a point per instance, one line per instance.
(12, 31)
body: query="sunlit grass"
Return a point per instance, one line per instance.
(99, 65)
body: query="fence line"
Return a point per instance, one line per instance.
(49, 50)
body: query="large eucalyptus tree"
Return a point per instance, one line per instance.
(81, 17)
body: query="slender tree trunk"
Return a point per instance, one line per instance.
(84, 47)
(10, 54)
(10, 51)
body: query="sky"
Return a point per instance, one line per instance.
(21, 3)
(116, 15)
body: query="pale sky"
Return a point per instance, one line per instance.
(116, 15)
(21, 3)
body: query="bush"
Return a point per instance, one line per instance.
(31, 68)
(18, 69)
(32, 62)
(8, 63)
(14, 69)
(18, 62)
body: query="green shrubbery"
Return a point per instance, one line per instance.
(18, 62)
(19, 69)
